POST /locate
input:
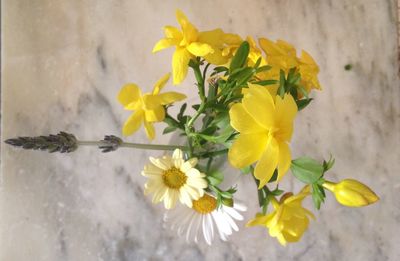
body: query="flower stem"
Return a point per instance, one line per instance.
(135, 145)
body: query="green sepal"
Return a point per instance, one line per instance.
(328, 165)
(301, 104)
(318, 194)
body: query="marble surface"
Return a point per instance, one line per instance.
(63, 63)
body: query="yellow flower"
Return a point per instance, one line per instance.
(148, 107)
(172, 178)
(189, 44)
(265, 127)
(309, 70)
(233, 42)
(282, 56)
(288, 221)
(352, 193)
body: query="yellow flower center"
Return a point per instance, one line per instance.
(205, 204)
(174, 178)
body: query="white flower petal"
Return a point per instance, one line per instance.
(219, 226)
(233, 213)
(230, 221)
(197, 182)
(197, 227)
(159, 194)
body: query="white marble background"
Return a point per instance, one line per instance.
(63, 63)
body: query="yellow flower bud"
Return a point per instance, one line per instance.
(352, 193)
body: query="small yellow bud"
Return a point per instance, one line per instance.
(352, 193)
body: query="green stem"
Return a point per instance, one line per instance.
(135, 145)
(199, 112)
(200, 80)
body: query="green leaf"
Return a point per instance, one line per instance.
(245, 75)
(277, 192)
(219, 69)
(169, 129)
(171, 122)
(266, 82)
(301, 104)
(282, 83)
(306, 169)
(181, 112)
(240, 57)
(263, 68)
(274, 176)
(258, 62)
(196, 106)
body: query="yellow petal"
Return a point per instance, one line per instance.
(164, 43)
(181, 17)
(130, 93)
(160, 83)
(242, 121)
(285, 112)
(150, 102)
(190, 33)
(306, 58)
(216, 57)
(199, 49)
(270, 48)
(247, 149)
(155, 115)
(287, 47)
(260, 105)
(284, 159)
(150, 132)
(215, 38)
(180, 64)
(172, 32)
(133, 123)
(231, 39)
(259, 220)
(171, 97)
(267, 164)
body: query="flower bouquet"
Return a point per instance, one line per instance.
(249, 95)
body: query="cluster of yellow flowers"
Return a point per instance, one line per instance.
(254, 95)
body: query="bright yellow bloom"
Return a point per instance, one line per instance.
(149, 108)
(265, 127)
(189, 44)
(233, 42)
(309, 70)
(352, 193)
(282, 56)
(173, 178)
(288, 221)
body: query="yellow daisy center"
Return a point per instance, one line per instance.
(205, 204)
(174, 178)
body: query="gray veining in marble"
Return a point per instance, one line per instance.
(63, 64)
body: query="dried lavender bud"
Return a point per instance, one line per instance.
(110, 143)
(62, 142)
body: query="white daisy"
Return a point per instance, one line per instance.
(171, 178)
(204, 216)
